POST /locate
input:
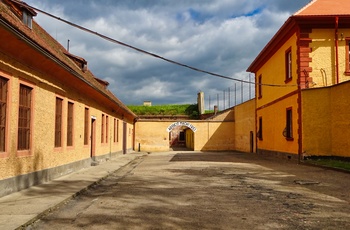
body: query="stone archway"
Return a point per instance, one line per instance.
(181, 135)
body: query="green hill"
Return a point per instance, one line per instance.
(166, 110)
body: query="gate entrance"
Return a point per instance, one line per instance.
(181, 136)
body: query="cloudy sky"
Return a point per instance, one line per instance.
(219, 36)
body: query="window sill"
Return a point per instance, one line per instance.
(288, 80)
(24, 153)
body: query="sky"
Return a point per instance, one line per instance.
(218, 36)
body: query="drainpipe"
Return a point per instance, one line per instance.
(336, 50)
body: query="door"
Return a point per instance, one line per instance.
(93, 137)
(124, 137)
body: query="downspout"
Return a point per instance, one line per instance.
(299, 101)
(336, 50)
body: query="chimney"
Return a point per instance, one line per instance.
(200, 101)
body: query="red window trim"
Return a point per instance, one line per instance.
(5, 153)
(288, 65)
(27, 152)
(72, 123)
(259, 86)
(62, 123)
(289, 137)
(86, 126)
(347, 58)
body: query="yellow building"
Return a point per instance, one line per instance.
(311, 50)
(56, 116)
(231, 129)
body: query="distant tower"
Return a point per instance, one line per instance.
(200, 101)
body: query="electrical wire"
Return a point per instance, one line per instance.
(141, 50)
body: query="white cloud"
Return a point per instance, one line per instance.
(221, 36)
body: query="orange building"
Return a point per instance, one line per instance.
(55, 116)
(309, 52)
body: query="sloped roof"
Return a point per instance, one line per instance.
(40, 37)
(325, 7)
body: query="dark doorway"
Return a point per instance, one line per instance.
(124, 137)
(93, 137)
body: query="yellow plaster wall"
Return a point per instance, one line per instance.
(215, 136)
(244, 124)
(152, 136)
(274, 122)
(210, 135)
(273, 73)
(324, 56)
(43, 155)
(326, 121)
(228, 115)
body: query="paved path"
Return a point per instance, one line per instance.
(24, 207)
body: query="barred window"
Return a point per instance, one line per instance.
(58, 122)
(103, 128)
(107, 128)
(24, 117)
(86, 127)
(3, 113)
(70, 124)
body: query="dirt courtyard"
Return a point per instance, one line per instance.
(209, 190)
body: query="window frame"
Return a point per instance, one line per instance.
(86, 126)
(260, 130)
(58, 133)
(288, 59)
(259, 86)
(70, 124)
(289, 124)
(27, 19)
(26, 151)
(347, 56)
(5, 121)
(107, 128)
(103, 128)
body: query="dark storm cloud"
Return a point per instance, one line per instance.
(222, 36)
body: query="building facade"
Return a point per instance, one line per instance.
(310, 51)
(56, 116)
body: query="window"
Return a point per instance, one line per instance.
(347, 56)
(288, 65)
(107, 129)
(288, 132)
(117, 131)
(58, 122)
(260, 131)
(27, 19)
(70, 124)
(260, 86)
(103, 128)
(86, 126)
(24, 117)
(3, 113)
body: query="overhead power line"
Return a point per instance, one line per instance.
(141, 50)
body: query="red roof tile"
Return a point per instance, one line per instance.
(38, 35)
(325, 7)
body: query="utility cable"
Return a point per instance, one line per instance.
(141, 50)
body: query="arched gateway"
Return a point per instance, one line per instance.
(181, 135)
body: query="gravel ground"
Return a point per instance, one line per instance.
(221, 190)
